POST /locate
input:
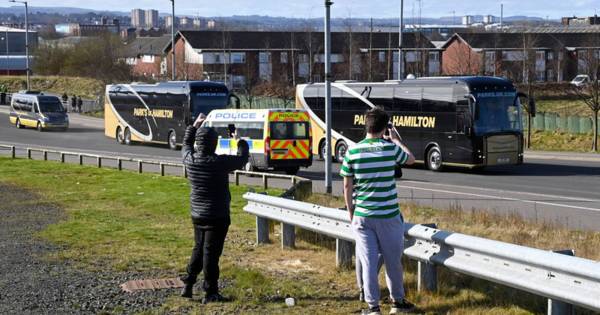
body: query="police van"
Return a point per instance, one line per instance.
(279, 139)
(34, 109)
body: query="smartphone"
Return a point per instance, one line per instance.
(231, 128)
(387, 130)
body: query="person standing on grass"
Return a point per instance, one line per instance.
(370, 195)
(210, 199)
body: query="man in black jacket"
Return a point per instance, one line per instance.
(210, 198)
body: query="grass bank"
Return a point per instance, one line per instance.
(560, 141)
(126, 221)
(563, 107)
(85, 87)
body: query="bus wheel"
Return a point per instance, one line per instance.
(434, 159)
(127, 137)
(172, 140)
(120, 136)
(39, 127)
(340, 151)
(292, 170)
(322, 151)
(18, 124)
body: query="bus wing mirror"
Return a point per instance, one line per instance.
(532, 108)
(473, 102)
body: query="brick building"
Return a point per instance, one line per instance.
(145, 56)
(245, 58)
(540, 56)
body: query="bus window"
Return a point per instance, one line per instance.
(289, 130)
(205, 101)
(497, 113)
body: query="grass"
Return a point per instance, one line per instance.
(560, 141)
(85, 87)
(127, 221)
(564, 107)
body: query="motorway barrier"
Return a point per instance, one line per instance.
(300, 186)
(563, 279)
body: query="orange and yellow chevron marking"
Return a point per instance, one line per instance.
(300, 151)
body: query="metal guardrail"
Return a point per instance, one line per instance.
(565, 280)
(140, 163)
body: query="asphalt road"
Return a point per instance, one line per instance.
(552, 189)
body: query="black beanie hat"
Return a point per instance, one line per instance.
(206, 140)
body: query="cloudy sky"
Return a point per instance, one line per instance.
(343, 8)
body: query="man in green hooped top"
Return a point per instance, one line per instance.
(371, 198)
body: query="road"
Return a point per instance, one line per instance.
(555, 189)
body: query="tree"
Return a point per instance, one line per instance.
(528, 55)
(589, 93)
(97, 57)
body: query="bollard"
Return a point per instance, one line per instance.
(45, 155)
(559, 307)
(185, 174)
(265, 182)
(80, 159)
(13, 152)
(237, 178)
(262, 230)
(29, 153)
(426, 276)
(288, 236)
(293, 181)
(99, 160)
(162, 169)
(62, 157)
(343, 253)
(140, 169)
(119, 164)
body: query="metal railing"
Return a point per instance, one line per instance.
(564, 280)
(100, 159)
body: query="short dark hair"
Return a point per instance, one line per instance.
(376, 120)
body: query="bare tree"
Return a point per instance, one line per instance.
(529, 57)
(589, 93)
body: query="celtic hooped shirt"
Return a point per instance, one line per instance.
(372, 163)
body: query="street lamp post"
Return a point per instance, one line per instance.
(400, 55)
(173, 40)
(328, 184)
(26, 39)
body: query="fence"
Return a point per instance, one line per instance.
(554, 122)
(563, 279)
(302, 185)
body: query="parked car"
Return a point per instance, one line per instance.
(580, 80)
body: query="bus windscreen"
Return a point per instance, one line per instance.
(497, 113)
(205, 102)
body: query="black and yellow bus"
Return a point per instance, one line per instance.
(159, 113)
(469, 122)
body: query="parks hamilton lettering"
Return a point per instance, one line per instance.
(403, 121)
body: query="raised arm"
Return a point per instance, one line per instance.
(187, 150)
(236, 162)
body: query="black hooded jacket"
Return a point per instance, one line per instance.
(209, 174)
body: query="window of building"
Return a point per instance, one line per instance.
(550, 55)
(490, 61)
(148, 59)
(412, 56)
(382, 56)
(513, 55)
(335, 58)
(238, 57)
(283, 57)
(265, 69)
(264, 57)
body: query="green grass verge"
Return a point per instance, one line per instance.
(84, 87)
(128, 221)
(565, 107)
(560, 141)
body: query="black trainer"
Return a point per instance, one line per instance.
(214, 297)
(402, 306)
(374, 311)
(187, 291)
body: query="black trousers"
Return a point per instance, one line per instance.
(210, 238)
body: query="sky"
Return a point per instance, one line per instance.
(553, 9)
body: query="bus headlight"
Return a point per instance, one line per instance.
(45, 119)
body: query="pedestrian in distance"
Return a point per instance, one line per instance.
(65, 98)
(74, 103)
(210, 199)
(372, 201)
(79, 104)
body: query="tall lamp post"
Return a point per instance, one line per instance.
(173, 40)
(26, 39)
(400, 55)
(328, 185)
